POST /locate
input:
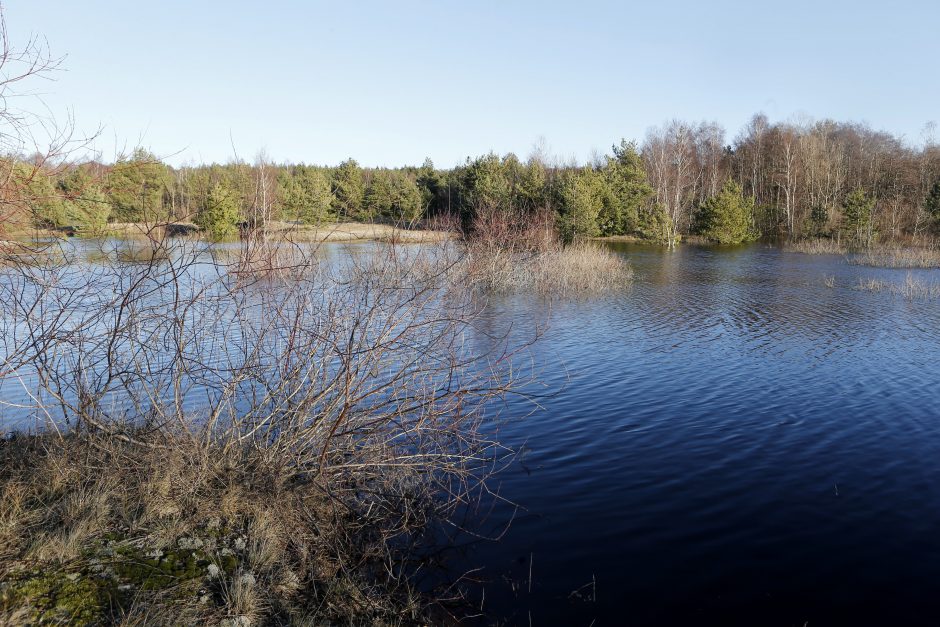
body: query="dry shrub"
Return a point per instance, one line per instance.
(509, 251)
(276, 547)
(580, 267)
(243, 445)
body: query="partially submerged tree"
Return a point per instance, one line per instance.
(221, 215)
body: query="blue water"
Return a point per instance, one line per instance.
(733, 443)
(724, 440)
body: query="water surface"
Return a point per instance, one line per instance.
(734, 443)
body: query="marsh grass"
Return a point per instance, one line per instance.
(816, 246)
(898, 257)
(515, 252)
(925, 255)
(911, 289)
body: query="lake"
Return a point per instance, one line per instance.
(738, 436)
(733, 443)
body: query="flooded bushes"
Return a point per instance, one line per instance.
(210, 444)
(898, 257)
(517, 252)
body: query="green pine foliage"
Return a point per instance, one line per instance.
(306, 195)
(221, 214)
(581, 194)
(727, 217)
(857, 210)
(932, 205)
(85, 203)
(393, 195)
(137, 187)
(628, 193)
(349, 191)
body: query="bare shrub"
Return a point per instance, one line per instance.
(513, 251)
(306, 416)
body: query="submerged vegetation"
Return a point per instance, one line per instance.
(911, 289)
(877, 255)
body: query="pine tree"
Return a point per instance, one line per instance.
(856, 211)
(221, 214)
(581, 198)
(932, 204)
(629, 191)
(349, 191)
(726, 218)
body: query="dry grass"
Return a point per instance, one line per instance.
(911, 289)
(353, 232)
(225, 537)
(508, 251)
(876, 255)
(816, 246)
(898, 257)
(581, 268)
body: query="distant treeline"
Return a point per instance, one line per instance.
(773, 180)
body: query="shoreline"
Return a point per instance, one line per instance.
(307, 233)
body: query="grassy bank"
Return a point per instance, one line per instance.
(158, 530)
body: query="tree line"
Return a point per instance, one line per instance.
(773, 180)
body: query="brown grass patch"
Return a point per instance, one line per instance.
(247, 545)
(911, 289)
(898, 257)
(816, 246)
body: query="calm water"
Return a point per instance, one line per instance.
(734, 444)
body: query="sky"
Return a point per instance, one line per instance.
(391, 83)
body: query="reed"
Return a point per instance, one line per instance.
(912, 288)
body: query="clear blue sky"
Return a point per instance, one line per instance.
(392, 82)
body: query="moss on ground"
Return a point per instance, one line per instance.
(113, 573)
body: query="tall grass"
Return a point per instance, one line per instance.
(508, 252)
(898, 257)
(911, 289)
(876, 255)
(816, 246)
